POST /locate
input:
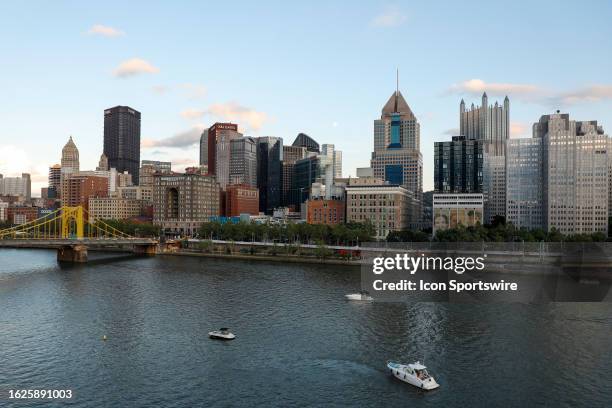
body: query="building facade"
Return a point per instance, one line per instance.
(322, 211)
(148, 168)
(77, 189)
(386, 206)
(303, 140)
(575, 174)
(122, 140)
(70, 161)
(458, 166)
(454, 210)
(490, 124)
(241, 199)
(291, 154)
(397, 157)
(336, 156)
(204, 148)
(114, 208)
(219, 137)
(524, 182)
(16, 186)
(269, 172)
(182, 202)
(243, 161)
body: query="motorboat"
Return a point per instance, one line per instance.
(222, 334)
(415, 374)
(361, 296)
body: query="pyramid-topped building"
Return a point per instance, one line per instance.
(397, 157)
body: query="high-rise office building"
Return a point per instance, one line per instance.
(16, 186)
(122, 140)
(524, 165)
(397, 157)
(458, 166)
(70, 161)
(336, 155)
(243, 161)
(103, 163)
(291, 154)
(303, 140)
(204, 149)
(149, 168)
(575, 174)
(269, 172)
(55, 177)
(490, 124)
(219, 137)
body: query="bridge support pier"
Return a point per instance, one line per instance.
(72, 253)
(145, 249)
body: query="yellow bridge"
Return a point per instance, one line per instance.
(72, 230)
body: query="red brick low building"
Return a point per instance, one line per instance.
(325, 212)
(241, 199)
(21, 215)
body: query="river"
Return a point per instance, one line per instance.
(298, 341)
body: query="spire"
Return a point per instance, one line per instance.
(396, 81)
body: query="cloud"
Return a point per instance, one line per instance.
(105, 31)
(451, 132)
(518, 129)
(160, 89)
(478, 86)
(133, 67)
(183, 139)
(391, 17)
(194, 91)
(594, 93)
(230, 112)
(192, 113)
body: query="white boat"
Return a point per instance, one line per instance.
(222, 334)
(415, 374)
(362, 296)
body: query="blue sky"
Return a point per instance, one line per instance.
(280, 68)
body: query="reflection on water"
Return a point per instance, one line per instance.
(298, 340)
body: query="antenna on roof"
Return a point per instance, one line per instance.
(397, 81)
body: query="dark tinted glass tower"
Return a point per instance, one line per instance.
(269, 172)
(122, 139)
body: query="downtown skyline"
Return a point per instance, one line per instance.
(277, 73)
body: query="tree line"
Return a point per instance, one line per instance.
(341, 234)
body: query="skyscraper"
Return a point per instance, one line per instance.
(303, 140)
(291, 154)
(55, 177)
(397, 157)
(524, 167)
(69, 162)
(488, 123)
(204, 149)
(219, 137)
(336, 156)
(243, 161)
(458, 166)
(122, 140)
(269, 172)
(16, 186)
(575, 174)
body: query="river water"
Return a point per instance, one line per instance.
(298, 341)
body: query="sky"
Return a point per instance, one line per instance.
(281, 68)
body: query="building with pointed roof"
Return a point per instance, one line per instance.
(70, 161)
(397, 157)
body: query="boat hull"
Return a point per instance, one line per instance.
(400, 373)
(218, 336)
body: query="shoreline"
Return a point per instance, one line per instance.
(268, 258)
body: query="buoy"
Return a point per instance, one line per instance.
(104, 337)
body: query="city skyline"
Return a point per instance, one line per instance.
(335, 91)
